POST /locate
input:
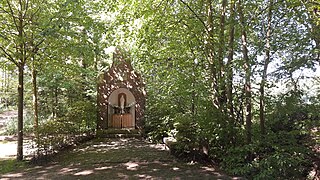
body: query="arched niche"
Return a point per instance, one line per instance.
(114, 109)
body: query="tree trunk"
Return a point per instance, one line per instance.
(20, 114)
(230, 62)
(3, 81)
(56, 102)
(21, 49)
(229, 76)
(53, 106)
(35, 102)
(96, 62)
(211, 56)
(247, 68)
(193, 93)
(98, 120)
(3, 86)
(221, 50)
(6, 88)
(264, 73)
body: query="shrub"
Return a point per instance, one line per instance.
(283, 153)
(156, 129)
(11, 127)
(187, 134)
(278, 157)
(58, 133)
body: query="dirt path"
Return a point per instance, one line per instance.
(117, 159)
(8, 147)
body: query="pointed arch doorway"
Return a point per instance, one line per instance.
(121, 110)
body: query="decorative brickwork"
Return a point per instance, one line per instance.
(120, 76)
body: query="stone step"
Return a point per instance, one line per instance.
(119, 136)
(119, 133)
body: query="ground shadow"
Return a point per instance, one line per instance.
(117, 159)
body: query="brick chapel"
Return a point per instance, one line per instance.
(121, 96)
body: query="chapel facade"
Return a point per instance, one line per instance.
(121, 96)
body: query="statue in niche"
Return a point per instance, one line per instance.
(121, 107)
(122, 104)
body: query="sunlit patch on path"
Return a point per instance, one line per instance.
(8, 147)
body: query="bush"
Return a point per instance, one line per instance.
(159, 120)
(58, 133)
(284, 153)
(187, 135)
(278, 157)
(156, 129)
(11, 127)
(83, 114)
(235, 161)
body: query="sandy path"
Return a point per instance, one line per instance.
(8, 147)
(117, 159)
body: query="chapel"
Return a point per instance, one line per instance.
(121, 96)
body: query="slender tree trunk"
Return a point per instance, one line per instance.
(193, 95)
(229, 76)
(264, 73)
(6, 88)
(211, 56)
(84, 75)
(53, 102)
(1, 98)
(3, 86)
(20, 115)
(35, 102)
(98, 120)
(230, 62)
(54, 98)
(3, 76)
(35, 105)
(34, 90)
(247, 68)
(7, 81)
(56, 101)
(4, 80)
(96, 62)
(53, 107)
(221, 50)
(22, 57)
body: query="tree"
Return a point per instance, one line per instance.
(229, 65)
(313, 19)
(16, 16)
(247, 68)
(265, 68)
(20, 21)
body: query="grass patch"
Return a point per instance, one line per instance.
(10, 165)
(4, 142)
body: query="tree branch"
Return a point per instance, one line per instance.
(1, 8)
(12, 15)
(198, 17)
(26, 9)
(9, 56)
